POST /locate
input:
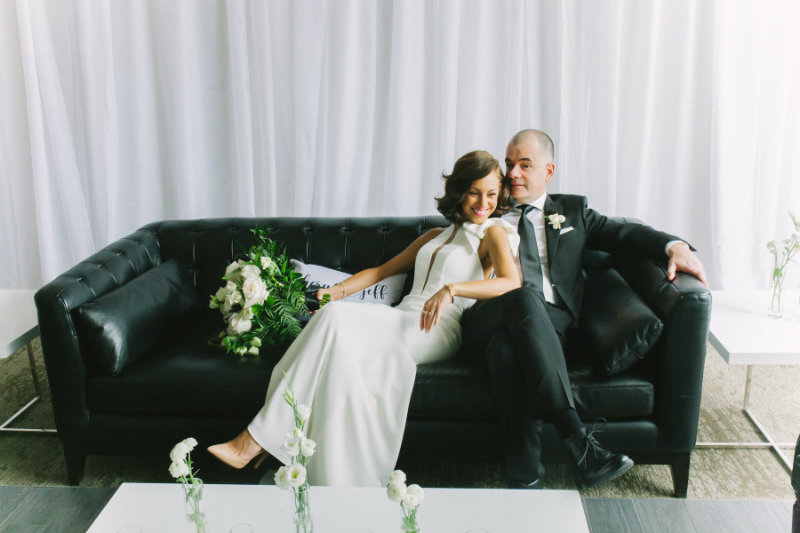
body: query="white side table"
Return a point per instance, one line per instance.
(18, 327)
(743, 334)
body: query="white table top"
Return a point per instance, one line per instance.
(744, 335)
(18, 321)
(160, 507)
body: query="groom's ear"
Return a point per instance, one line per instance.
(550, 169)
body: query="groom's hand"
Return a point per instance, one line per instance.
(682, 258)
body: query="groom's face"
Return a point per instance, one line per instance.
(528, 171)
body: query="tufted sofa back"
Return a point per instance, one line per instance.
(207, 246)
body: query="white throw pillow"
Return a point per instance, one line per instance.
(386, 292)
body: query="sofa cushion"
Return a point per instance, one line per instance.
(617, 328)
(387, 291)
(187, 375)
(124, 324)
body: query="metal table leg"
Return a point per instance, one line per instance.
(768, 441)
(4, 426)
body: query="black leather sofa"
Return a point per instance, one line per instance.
(183, 386)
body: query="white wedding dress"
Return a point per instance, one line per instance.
(355, 364)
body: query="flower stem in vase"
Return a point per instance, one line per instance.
(775, 310)
(410, 522)
(302, 510)
(194, 505)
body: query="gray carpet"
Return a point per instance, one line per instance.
(716, 473)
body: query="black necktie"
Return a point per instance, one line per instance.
(529, 251)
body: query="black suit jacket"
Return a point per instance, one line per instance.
(591, 230)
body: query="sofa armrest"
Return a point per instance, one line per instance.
(56, 304)
(684, 305)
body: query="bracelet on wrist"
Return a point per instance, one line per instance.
(452, 292)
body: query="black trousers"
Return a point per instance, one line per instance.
(521, 339)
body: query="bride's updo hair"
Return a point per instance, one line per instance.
(469, 168)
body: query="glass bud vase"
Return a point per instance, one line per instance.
(775, 309)
(302, 510)
(194, 506)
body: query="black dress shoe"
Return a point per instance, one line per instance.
(594, 464)
(536, 484)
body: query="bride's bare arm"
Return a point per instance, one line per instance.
(402, 262)
(495, 244)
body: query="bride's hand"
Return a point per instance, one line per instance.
(433, 309)
(336, 292)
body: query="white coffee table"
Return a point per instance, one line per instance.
(18, 327)
(743, 334)
(159, 507)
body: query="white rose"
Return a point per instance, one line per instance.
(253, 350)
(190, 443)
(281, 479)
(308, 447)
(291, 445)
(178, 469)
(266, 262)
(230, 288)
(255, 342)
(222, 292)
(304, 412)
(240, 322)
(254, 291)
(396, 491)
(397, 475)
(251, 271)
(417, 492)
(231, 299)
(410, 501)
(295, 475)
(179, 451)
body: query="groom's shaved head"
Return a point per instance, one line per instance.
(546, 149)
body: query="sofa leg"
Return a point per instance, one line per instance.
(76, 462)
(680, 473)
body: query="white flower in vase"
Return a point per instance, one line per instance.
(308, 447)
(291, 445)
(396, 491)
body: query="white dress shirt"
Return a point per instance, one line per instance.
(536, 216)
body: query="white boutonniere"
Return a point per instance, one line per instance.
(556, 220)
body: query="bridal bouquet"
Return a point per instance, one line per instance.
(783, 253)
(294, 477)
(261, 298)
(409, 497)
(181, 469)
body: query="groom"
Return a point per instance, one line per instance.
(525, 328)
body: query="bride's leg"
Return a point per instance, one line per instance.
(239, 451)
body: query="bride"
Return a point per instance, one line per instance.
(355, 363)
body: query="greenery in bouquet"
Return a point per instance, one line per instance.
(261, 298)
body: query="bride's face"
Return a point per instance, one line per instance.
(481, 200)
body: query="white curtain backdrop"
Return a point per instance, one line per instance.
(684, 113)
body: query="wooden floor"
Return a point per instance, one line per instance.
(73, 509)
